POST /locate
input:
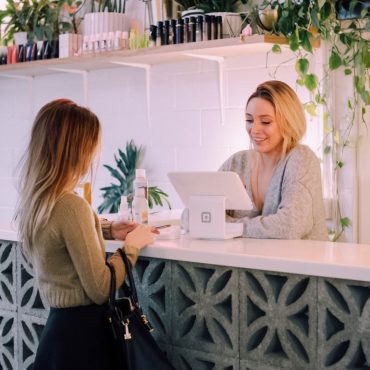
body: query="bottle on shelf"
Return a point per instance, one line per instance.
(207, 28)
(219, 28)
(180, 31)
(159, 33)
(199, 29)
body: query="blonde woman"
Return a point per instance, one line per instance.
(281, 176)
(63, 239)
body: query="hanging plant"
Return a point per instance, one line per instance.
(306, 23)
(127, 161)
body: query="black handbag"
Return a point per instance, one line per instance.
(135, 346)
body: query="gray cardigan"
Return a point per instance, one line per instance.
(293, 206)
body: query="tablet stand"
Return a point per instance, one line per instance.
(207, 218)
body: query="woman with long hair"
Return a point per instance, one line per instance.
(282, 176)
(62, 238)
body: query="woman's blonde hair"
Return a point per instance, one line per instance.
(64, 140)
(289, 112)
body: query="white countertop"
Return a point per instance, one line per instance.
(336, 260)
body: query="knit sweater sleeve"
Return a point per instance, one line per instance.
(77, 225)
(294, 217)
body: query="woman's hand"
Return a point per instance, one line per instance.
(120, 229)
(140, 237)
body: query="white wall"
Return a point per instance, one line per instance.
(184, 133)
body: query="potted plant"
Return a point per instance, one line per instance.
(18, 20)
(124, 174)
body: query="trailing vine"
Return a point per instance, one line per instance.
(305, 24)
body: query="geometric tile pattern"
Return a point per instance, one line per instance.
(8, 340)
(7, 275)
(213, 317)
(188, 359)
(344, 316)
(29, 333)
(151, 280)
(206, 308)
(29, 299)
(278, 319)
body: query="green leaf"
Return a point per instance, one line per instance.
(327, 149)
(311, 109)
(347, 71)
(305, 40)
(311, 81)
(300, 82)
(293, 42)
(325, 11)
(340, 164)
(345, 222)
(276, 49)
(302, 65)
(335, 61)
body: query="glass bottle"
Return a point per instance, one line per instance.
(199, 29)
(180, 31)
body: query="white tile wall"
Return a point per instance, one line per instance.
(184, 131)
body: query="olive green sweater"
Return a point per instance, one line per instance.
(69, 256)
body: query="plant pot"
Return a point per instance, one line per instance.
(191, 13)
(267, 18)
(231, 23)
(20, 38)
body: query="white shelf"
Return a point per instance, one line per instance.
(164, 54)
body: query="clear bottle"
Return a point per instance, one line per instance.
(140, 207)
(124, 213)
(140, 181)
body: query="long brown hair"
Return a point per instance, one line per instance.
(288, 110)
(64, 140)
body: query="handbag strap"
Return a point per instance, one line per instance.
(112, 288)
(130, 277)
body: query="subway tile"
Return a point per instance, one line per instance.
(214, 133)
(8, 193)
(179, 128)
(7, 165)
(189, 67)
(197, 91)
(158, 161)
(61, 85)
(191, 158)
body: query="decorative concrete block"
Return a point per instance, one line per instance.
(186, 359)
(29, 299)
(278, 319)
(152, 278)
(259, 365)
(8, 340)
(205, 308)
(29, 334)
(8, 275)
(344, 323)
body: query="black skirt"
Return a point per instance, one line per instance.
(77, 338)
